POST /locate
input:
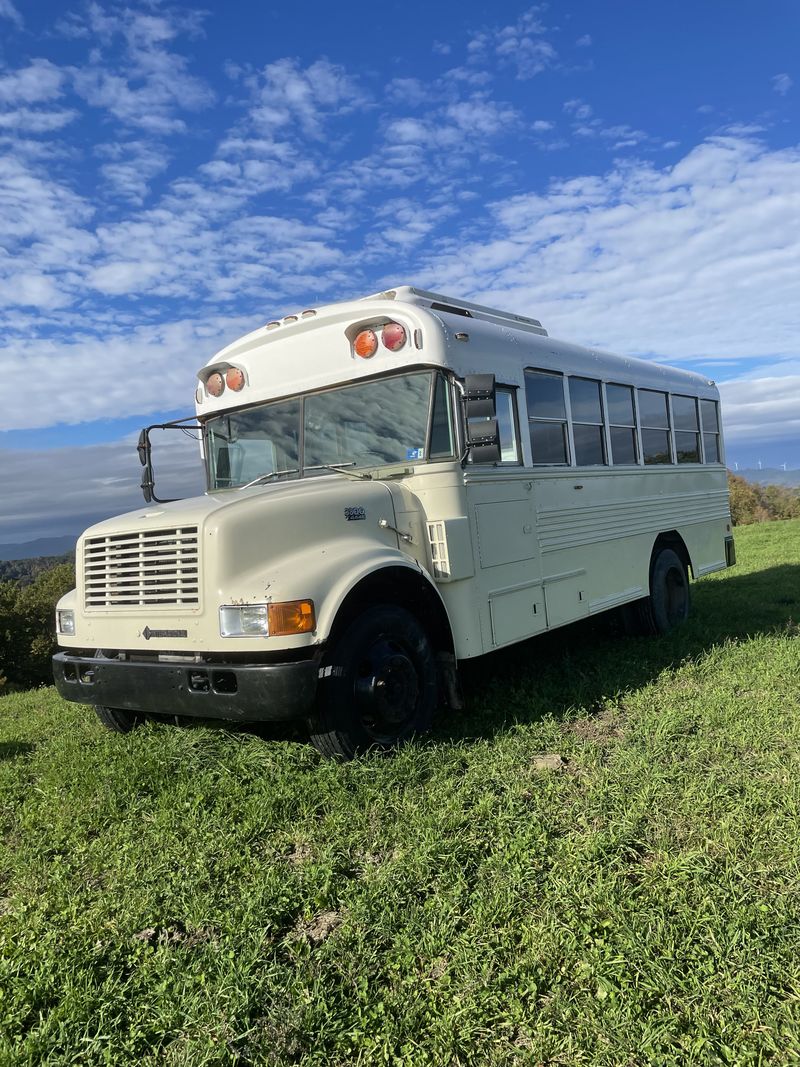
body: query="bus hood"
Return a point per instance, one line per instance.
(294, 540)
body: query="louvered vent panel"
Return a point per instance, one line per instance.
(150, 567)
(437, 539)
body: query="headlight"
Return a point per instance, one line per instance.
(65, 622)
(243, 620)
(264, 620)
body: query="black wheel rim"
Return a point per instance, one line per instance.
(386, 689)
(677, 595)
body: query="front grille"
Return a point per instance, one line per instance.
(150, 567)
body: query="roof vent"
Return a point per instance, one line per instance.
(451, 309)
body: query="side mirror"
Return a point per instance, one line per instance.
(480, 418)
(143, 448)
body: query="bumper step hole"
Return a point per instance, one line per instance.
(199, 682)
(224, 682)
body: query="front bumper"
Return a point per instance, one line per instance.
(242, 692)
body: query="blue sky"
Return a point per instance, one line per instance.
(172, 176)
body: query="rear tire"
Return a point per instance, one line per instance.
(117, 719)
(377, 686)
(669, 600)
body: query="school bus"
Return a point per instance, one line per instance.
(394, 485)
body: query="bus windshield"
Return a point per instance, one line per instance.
(354, 426)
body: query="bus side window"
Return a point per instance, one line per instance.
(654, 414)
(622, 424)
(442, 441)
(687, 429)
(547, 417)
(588, 434)
(507, 425)
(710, 422)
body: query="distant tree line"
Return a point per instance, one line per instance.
(25, 571)
(761, 503)
(27, 626)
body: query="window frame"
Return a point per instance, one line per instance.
(716, 434)
(638, 460)
(566, 422)
(510, 391)
(305, 472)
(697, 431)
(668, 429)
(603, 424)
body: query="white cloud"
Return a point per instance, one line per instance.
(33, 121)
(481, 116)
(63, 490)
(136, 368)
(156, 86)
(39, 81)
(782, 83)
(284, 94)
(689, 263)
(586, 124)
(8, 11)
(578, 109)
(131, 166)
(521, 45)
(761, 408)
(45, 241)
(584, 41)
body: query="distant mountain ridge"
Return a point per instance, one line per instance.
(42, 546)
(770, 476)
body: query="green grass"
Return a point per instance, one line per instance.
(196, 896)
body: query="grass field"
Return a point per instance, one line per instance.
(597, 864)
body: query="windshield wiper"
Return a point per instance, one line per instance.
(339, 470)
(266, 477)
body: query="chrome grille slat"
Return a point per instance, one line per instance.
(149, 567)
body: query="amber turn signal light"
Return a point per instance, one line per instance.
(291, 617)
(366, 344)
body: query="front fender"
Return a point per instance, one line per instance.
(348, 581)
(328, 576)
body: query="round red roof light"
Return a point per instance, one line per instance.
(234, 379)
(394, 336)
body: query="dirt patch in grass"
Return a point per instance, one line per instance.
(604, 728)
(320, 927)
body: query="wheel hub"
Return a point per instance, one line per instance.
(386, 689)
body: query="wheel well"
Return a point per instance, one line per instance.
(672, 539)
(406, 588)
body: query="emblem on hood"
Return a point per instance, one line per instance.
(147, 633)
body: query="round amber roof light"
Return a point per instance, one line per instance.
(366, 344)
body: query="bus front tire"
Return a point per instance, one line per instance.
(377, 685)
(117, 719)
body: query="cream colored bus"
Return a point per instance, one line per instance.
(395, 484)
